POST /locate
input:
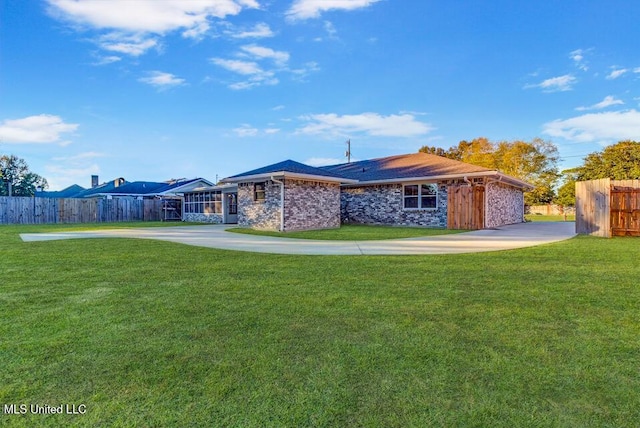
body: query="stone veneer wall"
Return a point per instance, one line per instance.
(383, 204)
(505, 205)
(263, 215)
(202, 218)
(311, 205)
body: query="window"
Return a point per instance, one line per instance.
(259, 191)
(203, 202)
(420, 196)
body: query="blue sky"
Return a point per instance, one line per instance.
(160, 89)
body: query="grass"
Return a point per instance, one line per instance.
(536, 217)
(151, 333)
(352, 232)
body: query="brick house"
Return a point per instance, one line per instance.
(410, 190)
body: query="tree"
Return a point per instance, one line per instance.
(16, 179)
(534, 162)
(619, 161)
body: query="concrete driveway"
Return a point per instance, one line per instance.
(214, 236)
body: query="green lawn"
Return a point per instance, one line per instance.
(535, 217)
(353, 232)
(150, 333)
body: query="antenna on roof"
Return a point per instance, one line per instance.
(348, 153)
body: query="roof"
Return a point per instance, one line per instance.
(126, 188)
(69, 192)
(403, 166)
(288, 168)
(414, 166)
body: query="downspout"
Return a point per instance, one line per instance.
(281, 183)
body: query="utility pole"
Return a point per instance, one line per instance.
(348, 154)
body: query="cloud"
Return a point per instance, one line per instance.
(578, 58)
(44, 128)
(237, 66)
(305, 9)
(372, 124)
(246, 130)
(107, 60)
(616, 73)
(271, 131)
(130, 44)
(258, 75)
(162, 80)
(259, 31)
(607, 102)
(142, 18)
(261, 52)
(597, 127)
(555, 84)
(278, 107)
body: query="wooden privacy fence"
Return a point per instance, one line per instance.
(465, 207)
(608, 207)
(25, 210)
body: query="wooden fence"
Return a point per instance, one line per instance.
(25, 210)
(608, 207)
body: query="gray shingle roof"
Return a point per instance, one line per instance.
(287, 166)
(403, 166)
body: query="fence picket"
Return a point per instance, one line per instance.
(27, 210)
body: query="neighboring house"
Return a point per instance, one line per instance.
(170, 192)
(120, 188)
(410, 190)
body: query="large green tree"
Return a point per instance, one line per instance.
(532, 161)
(619, 161)
(16, 179)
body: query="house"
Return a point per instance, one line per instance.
(169, 192)
(120, 188)
(410, 190)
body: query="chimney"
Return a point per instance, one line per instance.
(118, 182)
(94, 181)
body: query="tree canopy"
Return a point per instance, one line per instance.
(619, 161)
(535, 162)
(16, 179)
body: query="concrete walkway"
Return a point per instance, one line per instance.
(215, 236)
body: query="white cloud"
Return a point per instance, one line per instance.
(107, 60)
(555, 84)
(246, 130)
(636, 70)
(124, 19)
(597, 127)
(271, 131)
(257, 76)
(44, 128)
(259, 31)
(324, 161)
(578, 58)
(616, 73)
(130, 44)
(261, 52)
(162, 80)
(63, 174)
(278, 107)
(237, 66)
(373, 124)
(607, 102)
(305, 9)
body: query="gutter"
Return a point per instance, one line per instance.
(281, 183)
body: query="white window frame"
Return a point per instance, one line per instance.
(419, 196)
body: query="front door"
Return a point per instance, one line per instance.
(230, 207)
